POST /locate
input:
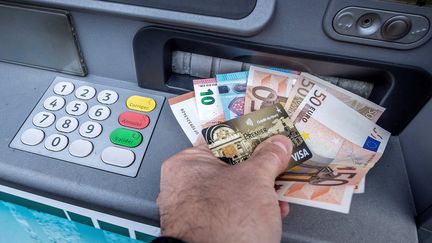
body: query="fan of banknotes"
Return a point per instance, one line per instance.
(335, 138)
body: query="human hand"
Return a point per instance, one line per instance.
(202, 199)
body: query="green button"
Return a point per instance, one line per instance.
(126, 137)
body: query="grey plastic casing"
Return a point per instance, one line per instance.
(418, 34)
(246, 26)
(384, 213)
(53, 37)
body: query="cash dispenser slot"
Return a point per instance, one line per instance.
(402, 90)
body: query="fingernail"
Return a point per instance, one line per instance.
(281, 145)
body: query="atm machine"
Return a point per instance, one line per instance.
(70, 70)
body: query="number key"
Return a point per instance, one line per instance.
(56, 142)
(43, 119)
(66, 124)
(107, 97)
(90, 129)
(63, 88)
(99, 112)
(76, 108)
(54, 103)
(85, 92)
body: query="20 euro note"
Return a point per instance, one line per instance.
(185, 111)
(232, 90)
(266, 87)
(339, 138)
(234, 141)
(307, 82)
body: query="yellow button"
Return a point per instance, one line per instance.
(141, 103)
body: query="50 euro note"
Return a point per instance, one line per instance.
(306, 82)
(322, 187)
(337, 134)
(331, 198)
(266, 87)
(344, 145)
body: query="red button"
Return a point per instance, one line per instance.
(133, 120)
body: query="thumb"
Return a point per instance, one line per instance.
(271, 157)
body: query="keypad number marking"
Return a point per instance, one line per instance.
(99, 112)
(54, 103)
(76, 108)
(107, 97)
(66, 124)
(85, 92)
(90, 129)
(64, 88)
(56, 142)
(43, 119)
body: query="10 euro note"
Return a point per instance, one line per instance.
(234, 141)
(266, 87)
(338, 136)
(306, 82)
(208, 102)
(232, 90)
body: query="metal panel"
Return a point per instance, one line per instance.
(41, 38)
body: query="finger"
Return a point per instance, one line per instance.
(284, 209)
(271, 156)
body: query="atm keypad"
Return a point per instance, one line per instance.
(91, 124)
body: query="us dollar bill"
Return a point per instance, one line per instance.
(234, 141)
(306, 82)
(266, 87)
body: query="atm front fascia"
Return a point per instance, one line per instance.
(127, 46)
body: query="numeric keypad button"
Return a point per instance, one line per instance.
(54, 103)
(32, 136)
(64, 88)
(118, 156)
(66, 124)
(85, 92)
(99, 112)
(76, 108)
(90, 129)
(56, 142)
(107, 97)
(43, 119)
(80, 148)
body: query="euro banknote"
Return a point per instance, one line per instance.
(307, 81)
(337, 134)
(266, 87)
(232, 90)
(208, 102)
(331, 198)
(185, 111)
(234, 141)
